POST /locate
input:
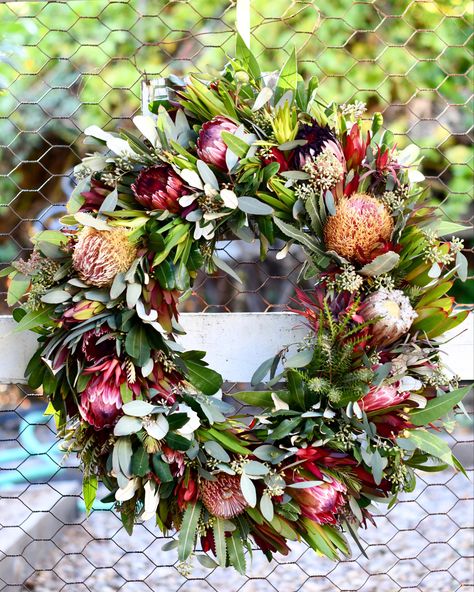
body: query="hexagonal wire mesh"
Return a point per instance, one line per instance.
(65, 65)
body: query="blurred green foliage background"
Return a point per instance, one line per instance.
(67, 65)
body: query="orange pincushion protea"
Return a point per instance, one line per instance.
(99, 255)
(223, 497)
(360, 224)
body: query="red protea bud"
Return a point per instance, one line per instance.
(159, 188)
(211, 148)
(94, 196)
(223, 497)
(99, 255)
(100, 402)
(355, 147)
(95, 346)
(275, 155)
(186, 492)
(389, 425)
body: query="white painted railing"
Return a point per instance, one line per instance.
(236, 343)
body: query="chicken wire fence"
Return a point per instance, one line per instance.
(66, 65)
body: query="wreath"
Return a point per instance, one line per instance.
(342, 420)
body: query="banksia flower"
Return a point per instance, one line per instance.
(223, 498)
(211, 148)
(360, 225)
(393, 315)
(320, 503)
(99, 255)
(159, 188)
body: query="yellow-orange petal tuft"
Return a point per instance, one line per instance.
(360, 224)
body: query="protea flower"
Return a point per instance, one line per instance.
(389, 425)
(95, 346)
(223, 497)
(94, 196)
(318, 138)
(99, 255)
(159, 188)
(175, 459)
(320, 503)
(100, 402)
(355, 147)
(211, 148)
(382, 397)
(393, 315)
(361, 224)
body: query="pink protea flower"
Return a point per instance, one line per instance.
(210, 145)
(159, 188)
(320, 503)
(175, 459)
(382, 397)
(100, 402)
(99, 255)
(223, 497)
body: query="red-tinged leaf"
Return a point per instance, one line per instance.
(448, 324)
(429, 320)
(445, 304)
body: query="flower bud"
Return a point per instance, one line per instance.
(159, 188)
(211, 148)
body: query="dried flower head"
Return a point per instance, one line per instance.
(223, 497)
(99, 255)
(360, 224)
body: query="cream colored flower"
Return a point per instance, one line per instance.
(394, 315)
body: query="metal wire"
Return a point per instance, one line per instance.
(67, 64)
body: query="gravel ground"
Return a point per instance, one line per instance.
(425, 544)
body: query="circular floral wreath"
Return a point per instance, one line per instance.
(343, 424)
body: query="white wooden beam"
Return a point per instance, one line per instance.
(236, 343)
